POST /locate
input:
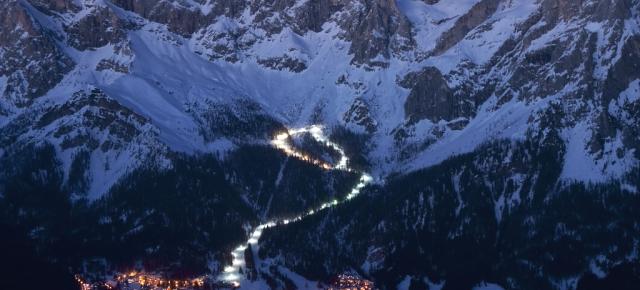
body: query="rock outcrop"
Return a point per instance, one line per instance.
(30, 59)
(97, 29)
(377, 30)
(359, 114)
(480, 12)
(431, 98)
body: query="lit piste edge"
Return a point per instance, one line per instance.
(231, 274)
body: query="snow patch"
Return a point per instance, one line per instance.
(628, 96)
(484, 41)
(3, 83)
(431, 21)
(404, 284)
(487, 286)
(509, 121)
(582, 165)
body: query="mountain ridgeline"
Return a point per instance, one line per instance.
(502, 136)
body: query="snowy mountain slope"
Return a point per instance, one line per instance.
(303, 62)
(551, 60)
(119, 87)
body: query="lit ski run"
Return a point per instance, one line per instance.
(232, 274)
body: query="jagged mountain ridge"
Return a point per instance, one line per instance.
(115, 86)
(426, 80)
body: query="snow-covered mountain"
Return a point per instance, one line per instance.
(424, 79)
(113, 88)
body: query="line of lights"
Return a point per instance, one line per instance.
(281, 141)
(231, 275)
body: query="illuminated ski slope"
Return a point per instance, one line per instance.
(232, 273)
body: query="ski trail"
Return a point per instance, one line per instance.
(231, 274)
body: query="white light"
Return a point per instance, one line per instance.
(232, 277)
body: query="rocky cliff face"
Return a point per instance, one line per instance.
(430, 97)
(564, 54)
(32, 63)
(113, 90)
(100, 27)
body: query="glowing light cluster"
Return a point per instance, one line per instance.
(84, 285)
(346, 281)
(155, 281)
(281, 142)
(143, 280)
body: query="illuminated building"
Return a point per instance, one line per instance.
(137, 280)
(350, 282)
